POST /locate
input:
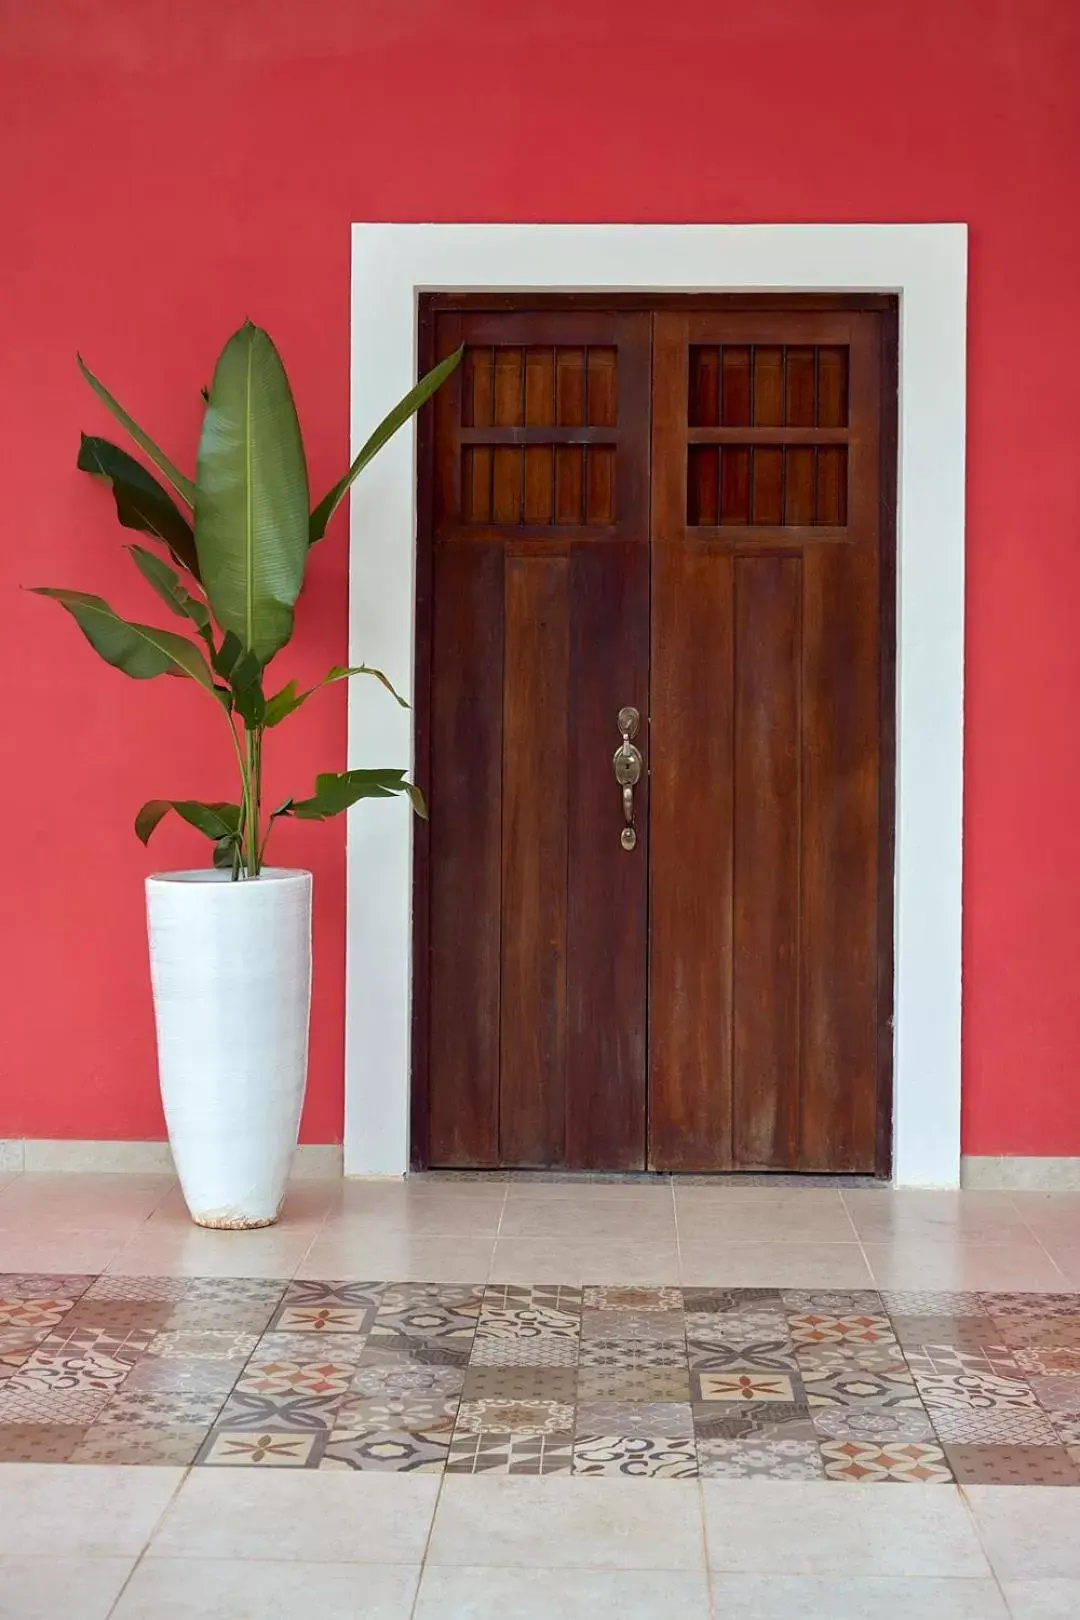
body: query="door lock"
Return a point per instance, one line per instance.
(627, 764)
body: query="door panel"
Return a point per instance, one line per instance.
(537, 913)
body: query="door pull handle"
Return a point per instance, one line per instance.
(627, 764)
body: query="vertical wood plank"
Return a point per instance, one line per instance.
(768, 485)
(534, 862)
(798, 484)
(704, 386)
(769, 387)
(465, 792)
(736, 374)
(607, 885)
(690, 886)
(765, 1081)
(703, 484)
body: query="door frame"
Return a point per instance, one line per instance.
(926, 267)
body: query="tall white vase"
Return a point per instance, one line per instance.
(231, 970)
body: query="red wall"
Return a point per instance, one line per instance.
(169, 169)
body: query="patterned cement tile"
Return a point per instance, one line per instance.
(39, 1442)
(514, 1417)
(644, 1327)
(531, 1331)
(387, 1451)
(745, 1384)
(276, 1413)
(868, 1463)
(768, 1355)
(635, 1300)
(528, 1350)
(632, 1353)
(119, 1317)
(856, 1386)
(1049, 1361)
(812, 1327)
(1056, 1393)
(174, 1447)
(191, 1375)
(408, 1412)
(196, 1344)
(30, 1314)
(541, 1297)
(634, 1383)
(876, 1425)
(760, 1420)
(840, 1356)
(235, 1290)
(313, 1307)
(166, 1409)
(36, 1285)
(922, 1302)
(721, 1301)
(965, 1333)
(511, 1454)
(996, 1359)
(977, 1409)
(520, 1384)
(1005, 1306)
(324, 1377)
(50, 1405)
(225, 1449)
(634, 1417)
(149, 1290)
(635, 1456)
(399, 1377)
(789, 1459)
(1040, 1332)
(1012, 1465)
(832, 1302)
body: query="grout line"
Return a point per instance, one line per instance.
(859, 1240)
(1070, 1286)
(974, 1522)
(427, 1544)
(155, 1527)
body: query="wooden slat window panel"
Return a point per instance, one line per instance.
(763, 485)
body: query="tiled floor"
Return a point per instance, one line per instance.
(599, 1399)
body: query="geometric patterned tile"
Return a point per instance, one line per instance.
(967, 1334)
(1005, 1306)
(856, 1387)
(182, 1375)
(717, 1301)
(193, 1344)
(528, 1350)
(278, 1413)
(387, 1451)
(304, 1349)
(50, 1406)
(1049, 1361)
(30, 1314)
(1056, 1394)
(36, 1285)
(1040, 1332)
(896, 1424)
(633, 1353)
(759, 1459)
(832, 1302)
(409, 1413)
(321, 1378)
(983, 1410)
(514, 1417)
(235, 1290)
(511, 1454)
(744, 1384)
(764, 1420)
(635, 1300)
(923, 1302)
(996, 1359)
(1012, 1465)
(634, 1456)
(633, 1384)
(164, 1409)
(173, 1447)
(323, 1319)
(393, 1379)
(147, 1289)
(119, 1317)
(542, 1296)
(870, 1464)
(512, 1383)
(812, 1328)
(229, 1450)
(644, 1326)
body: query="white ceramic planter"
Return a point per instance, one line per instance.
(231, 970)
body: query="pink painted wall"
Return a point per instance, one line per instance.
(167, 170)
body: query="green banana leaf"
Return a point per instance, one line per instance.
(140, 650)
(336, 791)
(215, 821)
(167, 584)
(386, 429)
(289, 699)
(141, 502)
(251, 508)
(183, 486)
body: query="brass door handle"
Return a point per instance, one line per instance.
(627, 765)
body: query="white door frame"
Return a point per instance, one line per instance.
(927, 266)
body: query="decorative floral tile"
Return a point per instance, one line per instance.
(30, 1314)
(1056, 1392)
(399, 1377)
(1049, 1361)
(282, 1412)
(540, 1297)
(268, 1450)
(51, 1405)
(809, 1327)
(520, 1384)
(17, 1343)
(775, 1355)
(875, 1424)
(635, 1300)
(1066, 1425)
(387, 1451)
(922, 1302)
(633, 1353)
(758, 1459)
(975, 1408)
(325, 1377)
(743, 1384)
(857, 1387)
(645, 1327)
(160, 1290)
(323, 1319)
(355, 1296)
(190, 1344)
(633, 1384)
(867, 1463)
(1012, 1465)
(1040, 1332)
(234, 1316)
(634, 1417)
(514, 1417)
(196, 1375)
(832, 1302)
(37, 1285)
(39, 1442)
(760, 1420)
(235, 1290)
(419, 1319)
(511, 1454)
(635, 1456)
(843, 1356)
(172, 1447)
(407, 1412)
(1006, 1306)
(968, 1334)
(737, 1327)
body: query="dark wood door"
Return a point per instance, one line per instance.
(540, 634)
(686, 509)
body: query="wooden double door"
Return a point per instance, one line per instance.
(665, 530)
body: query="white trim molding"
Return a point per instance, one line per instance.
(926, 265)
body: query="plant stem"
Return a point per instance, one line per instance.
(244, 794)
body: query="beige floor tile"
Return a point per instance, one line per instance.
(1029, 1532)
(307, 1204)
(936, 1217)
(48, 1510)
(743, 1222)
(963, 1266)
(1064, 1251)
(557, 1594)
(637, 1220)
(1043, 1600)
(767, 1527)
(773, 1265)
(61, 1588)
(191, 1251)
(387, 1196)
(246, 1589)
(399, 1257)
(294, 1514)
(418, 1217)
(539, 1260)
(76, 1253)
(780, 1597)
(83, 1198)
(557, 1523)
(644, 1189)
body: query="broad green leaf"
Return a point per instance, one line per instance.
(386, 429)
(167, 584)
(216, 821)
(227, 855)
(140, 650)
(228, 655)
(288, 700)
(336, 791)
(183, 486)
(251, 507)
(141, 502)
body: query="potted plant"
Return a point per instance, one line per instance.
(230, 946)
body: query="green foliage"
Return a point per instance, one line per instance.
(241, 557)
